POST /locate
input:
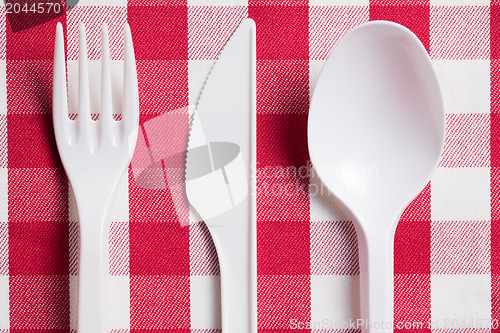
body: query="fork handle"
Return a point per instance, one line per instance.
(91, 312)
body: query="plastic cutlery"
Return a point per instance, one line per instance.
(95, 154)
(219, 169)
(375, 132)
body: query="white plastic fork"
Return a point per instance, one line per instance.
(95, 154)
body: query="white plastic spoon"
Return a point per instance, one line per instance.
(376, 132)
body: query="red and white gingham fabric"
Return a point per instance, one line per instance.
(164, 277)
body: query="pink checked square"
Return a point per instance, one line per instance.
(282, 86)
(328, 24)
(159, 302)
(467, 142)
(31, 142)
(119, 248)
(210, 28)
(414, 15)
(94, 17)
(412, 298)
(38, 195)
(160, 32)
(459, 32)
(281, 299)
(459, 247)
(334, 248)
(282, 31)
(202, 253)
(39, 302)
(290, 190)
(26, 92)
(3, 142)
(4, 248)
(163, 85)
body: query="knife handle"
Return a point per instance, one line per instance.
(233, 234)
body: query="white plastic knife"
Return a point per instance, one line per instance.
(220, 174)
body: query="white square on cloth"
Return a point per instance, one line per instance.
(465, 299)
(465, 85)
(205, 302)
(334, 300)
(461, 194)
(4, 303)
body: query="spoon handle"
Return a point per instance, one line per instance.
(376, 263)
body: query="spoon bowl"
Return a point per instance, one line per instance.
(375, 135)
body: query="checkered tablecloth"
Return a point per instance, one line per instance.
(165, 278)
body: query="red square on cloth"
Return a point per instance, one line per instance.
(495, 85)
(327, 24)
(29, 86)
(281, 299)
(37, 195)
(158, 248)
(412, 247)
(282, 140)
(415, 17)
(39, 303)
(283, 248)
(159, 303)
(38, 248)
(159, 32)
(31, 142)
(282, 86)
(495, 30)
(495, 248)
(495, 297)
(282, 31)
(36, 43)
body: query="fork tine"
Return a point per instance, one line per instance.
(83, 89)
(106, 93)
(59, 91)
(130, 114)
